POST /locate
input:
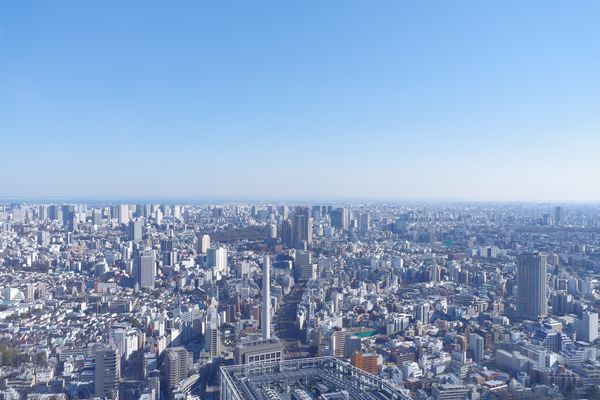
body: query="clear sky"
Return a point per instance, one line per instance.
(480, 100)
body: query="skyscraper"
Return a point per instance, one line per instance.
(146, 269)
(286, 232)
(302, 226)
(365, 222)
(212, 339)
(340, 218)
(97, 217)
(559, 216)
(107, 373)
(43, 212)
(216, 258)
(531, 286)
(204, 244)
(123, 213)
(266, 295)
(134, 233)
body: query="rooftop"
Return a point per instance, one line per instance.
(252, 382)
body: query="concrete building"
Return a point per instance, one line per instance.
(266, 296)
(146, 269)
(134, 233)
(212, 336)
(107, 373)
(204, 244)
(587, 327)
(532, 301)
(258, 351)
(450, 392)
(176, 366)
(366, 362)
(476, 345)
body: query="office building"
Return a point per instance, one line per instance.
(258, 351)
(43, 212)
(134, 233)
(302, 227)
(107, 373)
(340, 218)
(286, 232)
(450, 392)
(559, 216)
(123, 214)
(364, 222)
(216, 258)
(146, 269)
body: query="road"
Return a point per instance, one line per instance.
(285, 324)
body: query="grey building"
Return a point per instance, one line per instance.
(258, 351)
(532, 302)
(107, 373)
(146, 269)
(134, 233)
(176, 366)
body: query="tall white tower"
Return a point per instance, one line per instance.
(266, 294)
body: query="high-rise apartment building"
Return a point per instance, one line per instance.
(337, 343)
(212, 337)
(176, 366)
(204, 244)
(365, 361)
(216, 258)
(476, 345)
(531, 286)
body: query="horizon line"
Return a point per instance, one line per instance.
(255, 199)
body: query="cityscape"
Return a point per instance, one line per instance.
(281, 301)
(299, 200)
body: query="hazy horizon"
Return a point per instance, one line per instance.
(463, 101)
(276, 200)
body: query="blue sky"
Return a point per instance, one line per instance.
(402, 100)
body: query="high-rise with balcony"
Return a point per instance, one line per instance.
(532, 302)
